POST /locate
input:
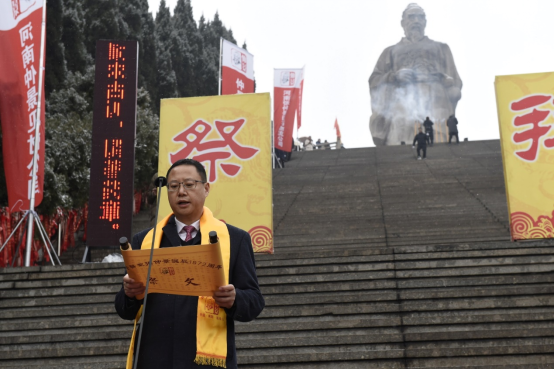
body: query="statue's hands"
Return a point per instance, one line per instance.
(404, 75)
(454, 94)
(447, 80)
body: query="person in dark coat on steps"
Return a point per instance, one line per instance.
(422, 139)
(452, 124)
(428, 124)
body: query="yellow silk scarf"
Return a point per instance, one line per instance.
(211, 320)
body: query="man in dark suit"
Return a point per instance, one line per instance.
(169, 337)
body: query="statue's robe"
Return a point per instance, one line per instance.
(434, 93)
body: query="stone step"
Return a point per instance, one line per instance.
(326, 269)
(361, 364)
(81, 362)
(315, 339)
(312, 278)
(494, 280)
(43, 302)
(543, 361)
(488, 315)
(64, 335)
(25, 324)
(53, 311)
(507, 346)
(64, 349)
(69, 282)
(63, 291)
(462, 292)
(478, 331)
(469, 271)
(268, 290)
(496, 302)
(318, 322)
(320, 353)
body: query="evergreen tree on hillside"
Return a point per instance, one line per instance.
(212, 32)
(167, 80)
(146, 154)
(74, 35)
(147, 48)
(185, 49)
(55, 56)
(104, 21)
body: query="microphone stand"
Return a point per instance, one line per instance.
(159, 182)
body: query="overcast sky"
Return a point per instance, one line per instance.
(339, 42)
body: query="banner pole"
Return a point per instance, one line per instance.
(272, 146)
(30, 223)
(220, 56)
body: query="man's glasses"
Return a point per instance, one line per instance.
(189, 184)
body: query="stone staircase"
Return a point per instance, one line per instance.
(380, 261)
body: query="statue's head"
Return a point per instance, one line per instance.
(414, 22)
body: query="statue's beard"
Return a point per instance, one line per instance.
(415, 33)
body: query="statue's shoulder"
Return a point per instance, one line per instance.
(442, 45)
(389, 49)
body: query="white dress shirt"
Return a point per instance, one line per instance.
(182, 233)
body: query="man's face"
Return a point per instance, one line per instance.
(414, 23)
(187, 205)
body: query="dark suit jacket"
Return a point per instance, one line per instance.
(169, 332)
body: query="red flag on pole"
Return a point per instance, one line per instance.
(285, 105)
(337, 127)
(237, 70)
(301, 91)
(20, 35)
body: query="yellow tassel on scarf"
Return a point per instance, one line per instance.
(211, 320)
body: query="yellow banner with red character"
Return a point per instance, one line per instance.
(231, 136)
(525, 106)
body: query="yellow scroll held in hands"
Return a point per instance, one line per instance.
(184, 270)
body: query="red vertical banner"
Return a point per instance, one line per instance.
(301, 91)
(337, 128)
(20, 35)
(237, 70)
(286, 96)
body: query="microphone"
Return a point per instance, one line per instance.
(160, 182)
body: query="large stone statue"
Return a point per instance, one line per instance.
(414, 79)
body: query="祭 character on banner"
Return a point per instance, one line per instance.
(231, 136)
(188, 331)
(413, 79)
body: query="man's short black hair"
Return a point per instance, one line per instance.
(199, 168)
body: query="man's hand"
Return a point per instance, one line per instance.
(131, 287)
(225, 296)
(413, 147)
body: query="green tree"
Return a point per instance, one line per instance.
(184, 48)
(167, 80)
(55, 55)
(104, 21)
(146, 154)
(74, 37)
